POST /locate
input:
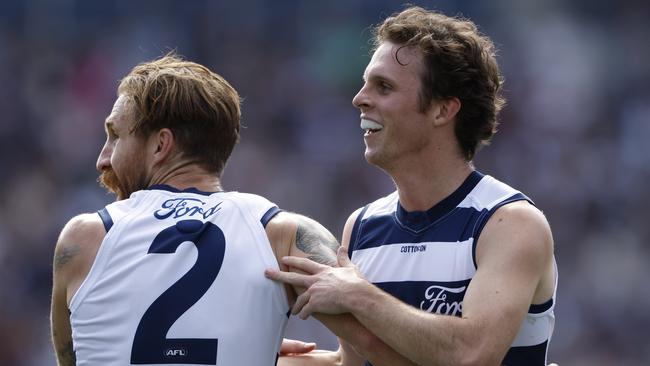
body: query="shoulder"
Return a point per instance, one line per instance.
(80, 227)
(349, 226)
(77, 245)
(518, 228)
(281, 228)
(383, 206)
(521, 216)
(292, 233)
(293, 223)
(248, 200)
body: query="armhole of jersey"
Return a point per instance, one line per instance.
(106, 218)
(540, 309)
(354, 235)
(483, 219)
(269, 215)
(98, 263)
(268, 256)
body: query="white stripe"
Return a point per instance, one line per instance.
(535, 329)
(487, 194)
(394, 262)
(383, 206)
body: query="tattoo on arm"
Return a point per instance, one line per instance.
(65, 354)
(319, 244)
(65, 255)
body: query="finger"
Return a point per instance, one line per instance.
(301, 301)
(291, 278)
(304, 264)
(342, 257)
(305, 312)
(291, 346)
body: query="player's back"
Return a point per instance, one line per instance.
(179, 280)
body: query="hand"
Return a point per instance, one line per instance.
(292, 347)
(327, 287)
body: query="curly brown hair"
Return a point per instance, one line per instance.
(458, 62)
(199, 106)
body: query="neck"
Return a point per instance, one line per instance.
(187, 175)
(422, 186)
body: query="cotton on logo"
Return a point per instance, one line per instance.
(177, 352)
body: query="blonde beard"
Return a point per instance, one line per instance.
(108, 179)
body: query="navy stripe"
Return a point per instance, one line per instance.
(106, 218)
(540, 308)
(486, 216)
(165, 187)
(354, 235)
(422, 294)
(269, 215)
(526, 356)
(419, 220)
(381, 230)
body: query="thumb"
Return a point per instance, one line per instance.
(342, 257)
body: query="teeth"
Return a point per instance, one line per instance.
(367, 124)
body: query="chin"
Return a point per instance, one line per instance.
(373, 158)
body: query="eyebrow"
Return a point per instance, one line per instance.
(379, 77)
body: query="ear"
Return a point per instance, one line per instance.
(162, 145)
(445, 111)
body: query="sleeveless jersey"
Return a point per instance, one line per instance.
(427, 259)
(179, 279)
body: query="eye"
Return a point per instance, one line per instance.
(384, 87)
(112, 135)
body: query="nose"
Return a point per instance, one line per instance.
(104, 158)
(361, 100)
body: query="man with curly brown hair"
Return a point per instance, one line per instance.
(454, 267)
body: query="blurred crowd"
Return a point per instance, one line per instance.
(574, 136)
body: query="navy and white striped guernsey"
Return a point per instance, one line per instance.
(427, 258)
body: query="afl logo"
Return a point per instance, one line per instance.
(175, 352)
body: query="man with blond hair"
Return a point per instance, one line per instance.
(172, 273)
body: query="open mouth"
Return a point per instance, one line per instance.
(370, 127)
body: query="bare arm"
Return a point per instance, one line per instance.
(343, 356)
(305, 238)
(75, 251)
(514, 259)
(60, 322)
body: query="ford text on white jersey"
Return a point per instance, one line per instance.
(179, 279)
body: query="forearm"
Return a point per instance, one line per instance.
(314, 358)
(61, 336)
(363, 341)
(424, 338)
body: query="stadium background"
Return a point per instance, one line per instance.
(574, 136)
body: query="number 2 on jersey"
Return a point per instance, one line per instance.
(150, 344)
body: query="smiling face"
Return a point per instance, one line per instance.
(122, 161)
(395, 128)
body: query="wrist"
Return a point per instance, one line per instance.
(360, 298)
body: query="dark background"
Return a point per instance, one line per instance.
(574, 136)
